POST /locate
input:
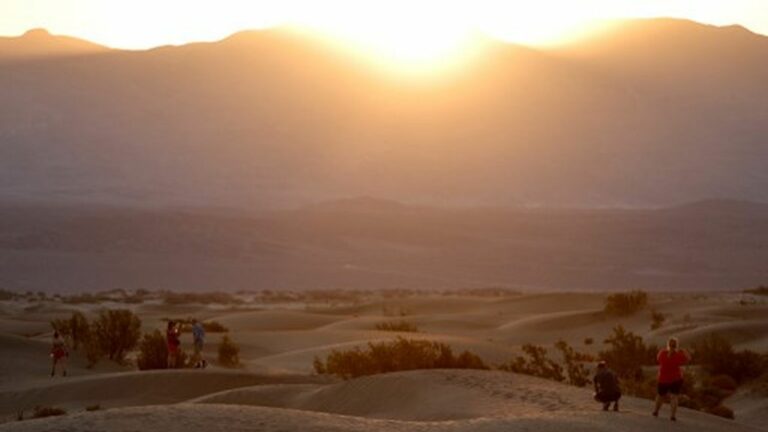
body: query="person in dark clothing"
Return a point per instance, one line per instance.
(607, 388)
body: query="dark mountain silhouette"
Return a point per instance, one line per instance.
(656, 112)
(368, 243)
(39, 43)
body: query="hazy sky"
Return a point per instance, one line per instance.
(398, 24)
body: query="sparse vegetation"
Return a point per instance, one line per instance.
(397, 326)
(90, 408)
(398, 355)
(178, 298)
(578, 374)
(622, 304)
(657, 320)
(115, 333)
(209, 326)
(75, 330)
(627, 354)
(762, 290)
(537, 364)
(153, 351)
(43, 411)
(229, 352)
(717, 356)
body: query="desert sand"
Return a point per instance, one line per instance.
(276, 389)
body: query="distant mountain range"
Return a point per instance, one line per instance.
(655, 112)
(366, 243)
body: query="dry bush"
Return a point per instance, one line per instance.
(75, 330)
(716, 355)
(229, 352)
(657, 320)
(398, 355)
(627, 353)
(537, 364)
(622, 304)
(397, 326)
(43, 411)
(114, 333)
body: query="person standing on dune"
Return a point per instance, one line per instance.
(172, 342)
(670, 378)
(59, 354)
(198, 336)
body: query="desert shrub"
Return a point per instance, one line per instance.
(578, 374)
(115, 333)
(627, 353)
(75, 329)
(96, 407)
(622, 304)
(43, 411)
(721, 411)
(174, 298)
(716, 355)
(537, 364)
(7, 295)
(185, 325)
(153, 351)
(657, 320)
(214, 327)
(398, 355)
(229, 352)
(397, 326)
(761, 290)
(589, 341)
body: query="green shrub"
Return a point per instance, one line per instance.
(397, 326)
(229, 352)
(622, 304)
(398, 355)
(41, 411)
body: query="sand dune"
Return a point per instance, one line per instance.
(421, 401)
(275, 389)
(129, 389)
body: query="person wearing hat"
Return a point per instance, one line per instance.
(607, 388)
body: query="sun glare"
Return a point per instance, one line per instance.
(414, 35)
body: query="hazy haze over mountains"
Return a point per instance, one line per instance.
(656, 112)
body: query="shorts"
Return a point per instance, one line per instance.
(671, 388)
(59, 354)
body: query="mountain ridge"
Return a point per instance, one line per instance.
(278, 121)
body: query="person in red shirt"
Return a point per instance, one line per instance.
(670, 378)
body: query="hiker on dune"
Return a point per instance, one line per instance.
(670, 378)
(198, 336)
(172, 342)
(59, 354)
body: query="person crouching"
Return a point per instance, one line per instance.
(607, 388)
